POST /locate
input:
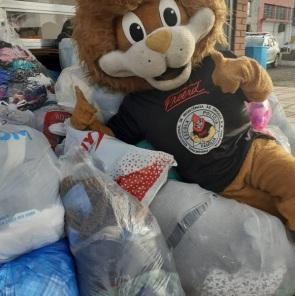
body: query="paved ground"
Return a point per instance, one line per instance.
(283, 76)
(286, 96)
(284, 82)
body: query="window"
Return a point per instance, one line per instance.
(269, 11)
(281, 13)
(282, 28)
(250, 4)
(277, 12)
(38, 25)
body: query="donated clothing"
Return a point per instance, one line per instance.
(207, 131)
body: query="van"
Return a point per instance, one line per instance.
(267, 40)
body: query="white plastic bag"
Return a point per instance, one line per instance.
(222, 247)
(48, 117)
(31, 214)
(106, 101)
(9, 113)
(68, 54)
(140, 172)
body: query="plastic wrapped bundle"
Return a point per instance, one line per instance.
(117, 243)
(280, 121)
(31, 213)
(23, 79)
(46, 271)
(222, 247)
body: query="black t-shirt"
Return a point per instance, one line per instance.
(207, 131)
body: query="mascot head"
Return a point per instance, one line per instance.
(133, 45)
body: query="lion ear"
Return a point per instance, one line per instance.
(202, 23)
(113, 64)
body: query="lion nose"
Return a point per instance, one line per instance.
(159, 41)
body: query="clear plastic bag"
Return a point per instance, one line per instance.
(280, 120)
(281, 138)
(9, 113)
(23, 79)
(117, 243)
(222, 247)
(31, 213)
(46, 271)
(7, 33)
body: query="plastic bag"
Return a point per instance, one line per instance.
(22, 77)
(46, 271)
(281, 138)
(31, 213)
(280, 120)
(9, 113)
(140, 172)
(7, 33)
(106, 102)
(68, 54)
(46, 119)
(117, 243)
(222, 247)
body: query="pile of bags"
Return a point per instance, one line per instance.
(129, 231)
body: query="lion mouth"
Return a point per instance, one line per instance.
(170, 73)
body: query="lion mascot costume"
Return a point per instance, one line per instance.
(184, 96)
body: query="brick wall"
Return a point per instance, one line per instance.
(239, 26)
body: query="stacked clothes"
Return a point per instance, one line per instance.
(23, 80)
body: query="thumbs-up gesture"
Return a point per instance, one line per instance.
(247, 74)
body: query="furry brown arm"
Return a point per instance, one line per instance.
(84, 116)
(244, 73)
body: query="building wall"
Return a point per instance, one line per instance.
(272, 25)
(253, 16)
(239, 26)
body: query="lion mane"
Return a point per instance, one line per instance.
(95, 35)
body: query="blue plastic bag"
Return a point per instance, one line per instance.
(48, 271)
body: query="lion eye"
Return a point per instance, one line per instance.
(133, 28)
(170, 13)
(170, 17)
(136, 32)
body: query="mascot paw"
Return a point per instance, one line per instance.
(84, 116)
(84, 113)
(228, 73)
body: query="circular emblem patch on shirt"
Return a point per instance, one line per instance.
(200, 128)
